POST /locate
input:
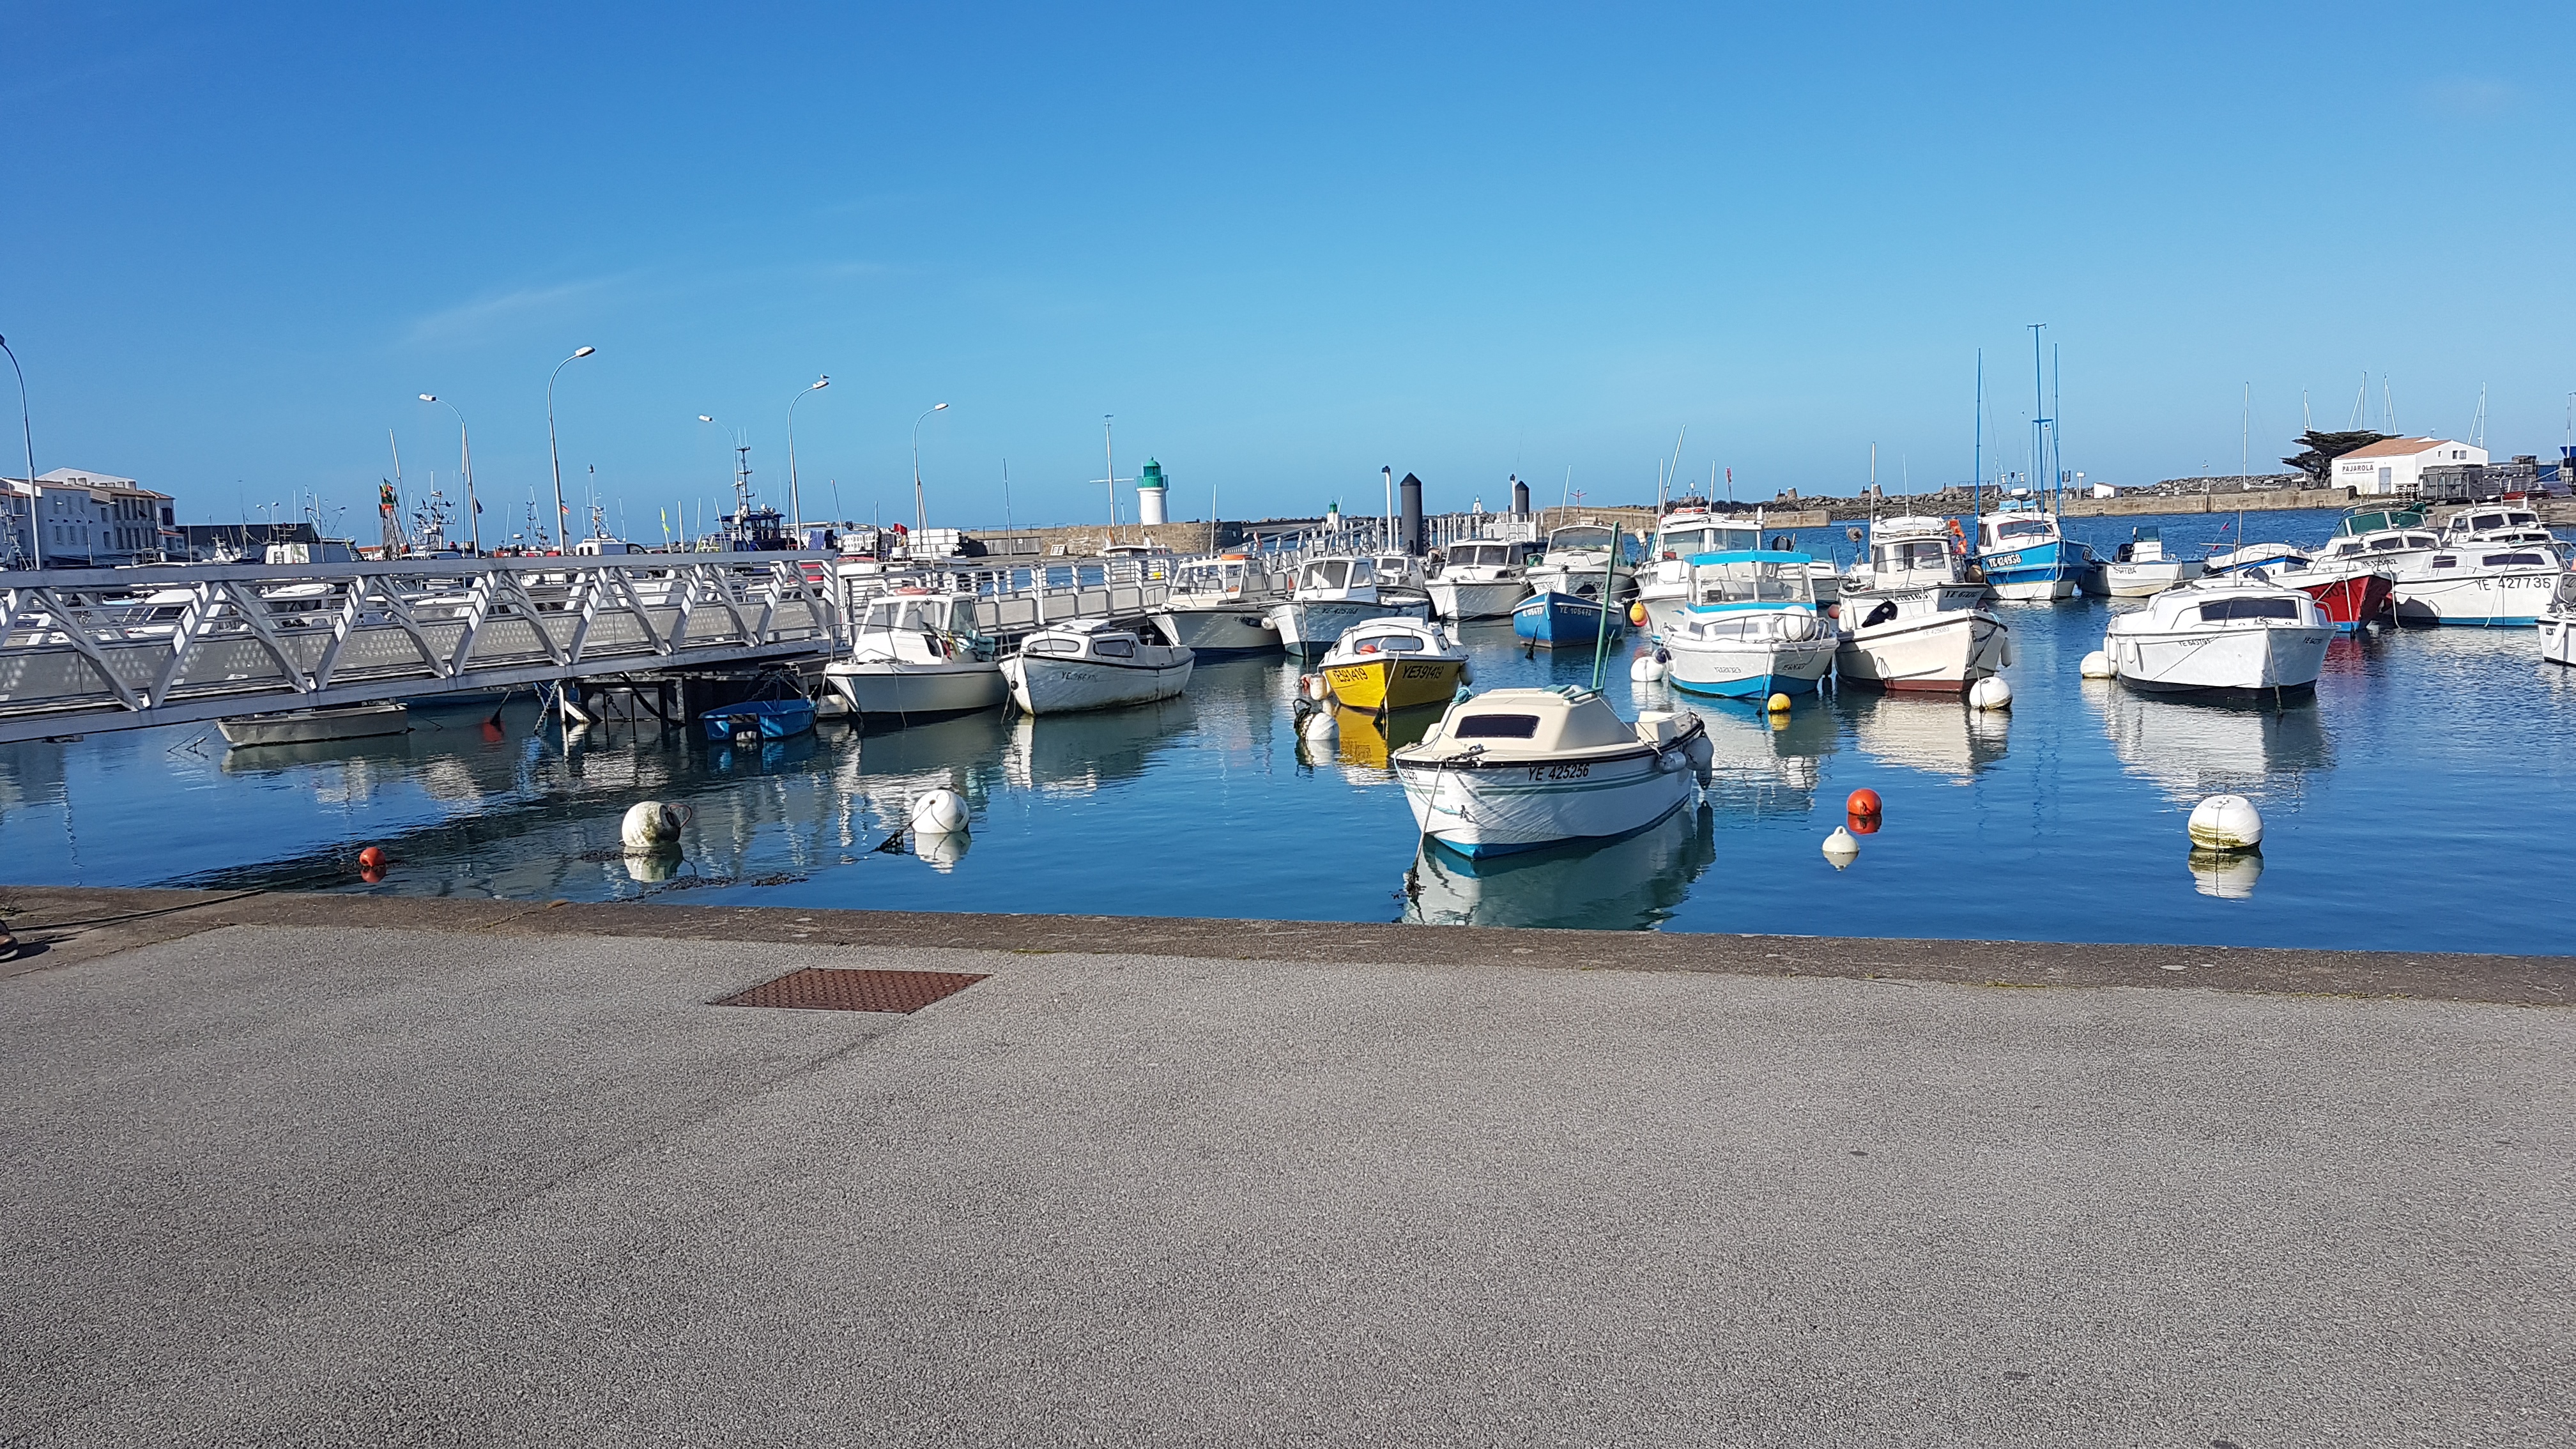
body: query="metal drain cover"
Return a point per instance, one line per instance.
(822, 989)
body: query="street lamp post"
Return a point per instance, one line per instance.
(920, 516)
(551, 456)
(465, 446)
(27, 434)
(795, 499)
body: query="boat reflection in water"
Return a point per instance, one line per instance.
(2227, 874)
(2189, 748)
(1759, 765)
(1629, 884)
(1081, 752)
(1938, 736)
(1362, 742)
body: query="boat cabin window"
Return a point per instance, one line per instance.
(1330, 573)
(961, 616)
(1750, 582)
(1388, 644)
(2444, 561)
(1480, 555)
(1113, 646)
(1581, 536)
(2389, 544)
(1925, 555)
(2249, 609)
(2509, 560)
(2018, 528)
(1497, 727)
(1052, 646)
(2422, 540)
(2347, 550)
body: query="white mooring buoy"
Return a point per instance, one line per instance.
(1990, 693)
(2097, 665)
(1840, 848)
(651, 825)
(938, 812)
(2226, 822)
(1320, 725)
(1647, 669)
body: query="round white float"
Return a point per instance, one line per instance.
(938, 812)
(2226, 822)
(1840, 848)
(2097, 665)
(650, 825)
(1990, 693)
(1647, 669)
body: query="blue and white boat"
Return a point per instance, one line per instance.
(1511, 770)
(1553, 619)
(1751, 629)
(756, 720)
(2024, 555)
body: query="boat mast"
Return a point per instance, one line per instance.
(1977, 478)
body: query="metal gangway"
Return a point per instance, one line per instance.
(90, 650)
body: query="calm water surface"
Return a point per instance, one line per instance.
(2400, 806)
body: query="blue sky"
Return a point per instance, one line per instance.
(1283, 246)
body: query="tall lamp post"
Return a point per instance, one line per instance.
(27, 434)
(795, 499)
(560, 545)
(465, 446)
(920, 517)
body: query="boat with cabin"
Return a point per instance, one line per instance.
(1220, 607)
(1751, 629)
(2352, 590)
(1517, 769)
(1578, 557)
(2024, 555)
(2239, 634)
(917, 655)
(1551, 620)
(2141, 566)
(1479, 578)
(1912, 618)
(1393, 664)
(1093, 664)
(1690, 529)
(1331, 595)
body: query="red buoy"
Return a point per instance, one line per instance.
(1863, 805)
(372, 858)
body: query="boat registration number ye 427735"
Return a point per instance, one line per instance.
(1559, 772)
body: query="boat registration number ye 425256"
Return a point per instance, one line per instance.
(1559, 772)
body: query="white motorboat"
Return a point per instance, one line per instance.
(1911, 618)
(2241, 634)
(1092, 664)
(2141, 566)
(2558, 625)
(2275, 559)
(314, 726)
(1516, 769)
(1578, 556)
(1479, 579)
(917, 655)
(2497, 585)
(1331, 595)
(2495, 523)
(1751, 629)
(1221, 606)
(1663, 584)
(1401, 580)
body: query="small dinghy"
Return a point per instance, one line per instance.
(758, 720)
(1093, 664)
(315, 726)
(1516, 769)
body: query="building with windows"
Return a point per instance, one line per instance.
(71, 518)
(2396, 465)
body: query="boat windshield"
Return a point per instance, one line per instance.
(1580, 537)
(1752, 581)
(1683, 542)
(1328, 573)
(1480, 555)
(2223, 609)
(1906, 557)
(1387, 644)
(2019, 528)
(892, 614)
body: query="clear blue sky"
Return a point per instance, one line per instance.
(1283, 246)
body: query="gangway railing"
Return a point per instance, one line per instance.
(89, 650)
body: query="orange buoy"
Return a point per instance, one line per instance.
(1863, 804)
(372, 858)
(1862, 824)
(372, 877)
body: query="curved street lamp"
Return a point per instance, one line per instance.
(920, 517)
(551, 457)
(795, 499)
(465, 445)
(27, 432)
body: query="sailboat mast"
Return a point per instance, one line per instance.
(1977, 477)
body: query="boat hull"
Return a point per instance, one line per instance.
(315, 726)
(2038, 574)
(1464, 599)
(1551, 620)
(1664, 603)
(1734, 668)
(1311, 626)
(2139, 580)
(1394, 683)
(1230, 630)
(1940, 653)
(2244, 660)
(2558, 640)
(2353, 601)
(1065, 686)
(1504, 809)
(2503, 599)
(767, 719)
(890, 690)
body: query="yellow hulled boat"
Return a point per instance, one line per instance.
(1385, 665)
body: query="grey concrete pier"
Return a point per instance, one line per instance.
(336, 1170)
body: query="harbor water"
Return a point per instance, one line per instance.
(2400, 803)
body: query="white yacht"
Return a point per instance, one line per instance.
(2445, 578)
(1663, 584)
(1092, 664)
(2141, 566)
(1220, 607)
(1479, 579)
(1331, 595)
(2239, 634)
(1578, 556)
(1911, 618)
(1516, 769)
(916, 655)
(1751, 629)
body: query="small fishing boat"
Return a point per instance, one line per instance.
(1331, 595)
(916, 655)
(1393, 664)
(1220, 607)
(1690, 529)
(2226, 635)
(1911, 617)
(1578, 557)
(1402, 582)
(2141, 567)
(1751, 629)
(1550, 620)
(314, 726)
(1479, 579)
(2351, 589)
(2024, 555)
(2558, 625)
(1093, 664)
(1516, 769)
(757, 721)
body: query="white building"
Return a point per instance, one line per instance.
(2397, 465)
(84, 520)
